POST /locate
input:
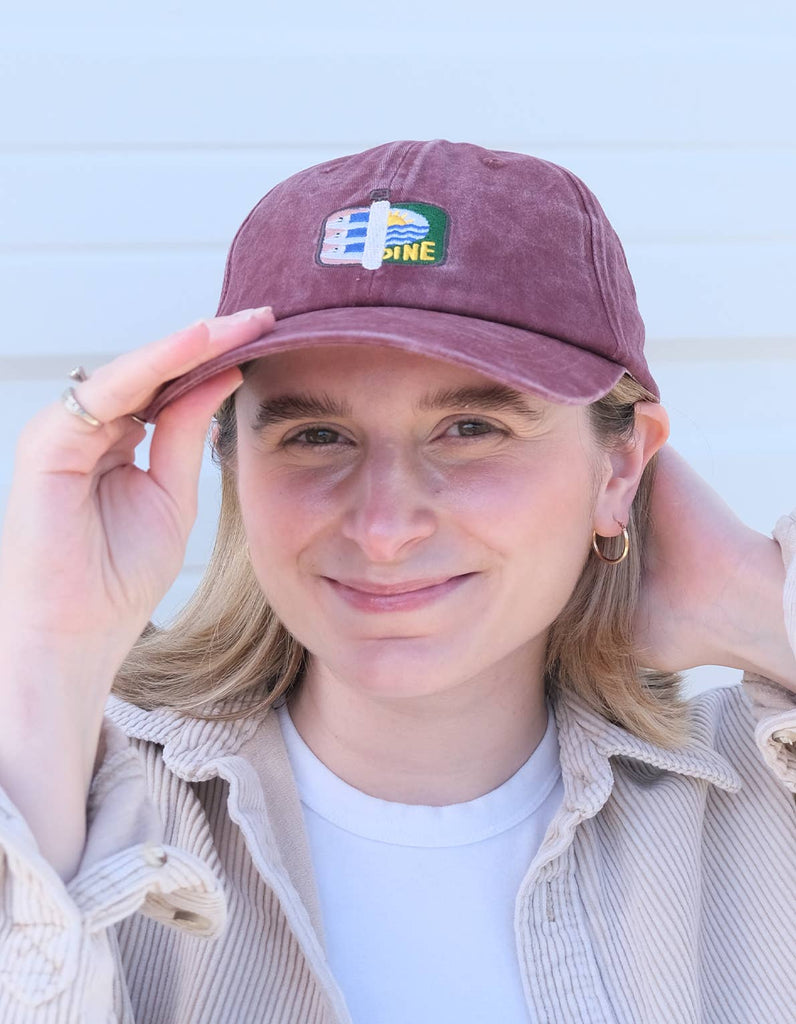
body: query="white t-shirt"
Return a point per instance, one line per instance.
(417, 901)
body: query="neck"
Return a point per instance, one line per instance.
(436, 749)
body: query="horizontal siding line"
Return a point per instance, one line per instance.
(151, 249)
(146, 248)
(81, 148)
(136, 42)
(751, 348)
(49, 365)
(54, 365)
(340, 147)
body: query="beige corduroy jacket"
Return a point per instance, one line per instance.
(664, 891)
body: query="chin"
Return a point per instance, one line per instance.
(398, 666)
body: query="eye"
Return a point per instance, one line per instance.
(473, 428)
(316, 437)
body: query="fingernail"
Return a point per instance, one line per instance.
(250, 314)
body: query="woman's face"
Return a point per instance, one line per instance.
(412, 523)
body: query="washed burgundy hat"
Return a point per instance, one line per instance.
(497, 261)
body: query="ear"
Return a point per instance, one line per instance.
(626, 464)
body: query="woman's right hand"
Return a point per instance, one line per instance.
(91, 542)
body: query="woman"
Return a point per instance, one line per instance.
(415, 751)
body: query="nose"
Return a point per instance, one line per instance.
(389, 506)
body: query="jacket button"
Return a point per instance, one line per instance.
(154, 856)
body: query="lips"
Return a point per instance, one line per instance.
(388, 589)
(406, 595)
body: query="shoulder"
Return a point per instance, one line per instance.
(721, 716)
(728, 720)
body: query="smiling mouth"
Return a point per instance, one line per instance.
(390, 589)
(404, 596)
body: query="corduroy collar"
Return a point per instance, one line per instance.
(587, 741)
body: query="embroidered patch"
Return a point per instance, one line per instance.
(410, 234)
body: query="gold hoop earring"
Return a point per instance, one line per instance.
(605, 558)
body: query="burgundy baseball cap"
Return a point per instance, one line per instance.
(497, 261)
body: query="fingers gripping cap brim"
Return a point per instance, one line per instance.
(553, 369)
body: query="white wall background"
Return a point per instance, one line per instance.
(136, 137)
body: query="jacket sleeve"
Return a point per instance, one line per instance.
(774, 706)
(59, 958)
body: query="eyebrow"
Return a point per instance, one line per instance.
(487, 398)
(284, 408)
(490, 398)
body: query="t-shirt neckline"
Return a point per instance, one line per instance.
(473, 821)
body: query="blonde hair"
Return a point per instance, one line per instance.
(228, 643)
(590, 648)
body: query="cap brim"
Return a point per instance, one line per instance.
(553, 369)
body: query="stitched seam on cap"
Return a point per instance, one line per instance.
(230, 254)
(612, 323)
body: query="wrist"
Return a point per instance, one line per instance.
(757, 637)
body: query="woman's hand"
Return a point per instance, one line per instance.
(91, 543)
(712, 593)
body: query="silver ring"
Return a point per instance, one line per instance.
(72, 405)
(79, 374)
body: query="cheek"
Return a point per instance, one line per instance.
(283, 512)
(538, 522)
(550, 501)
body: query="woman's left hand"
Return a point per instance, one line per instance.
(712, 591)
